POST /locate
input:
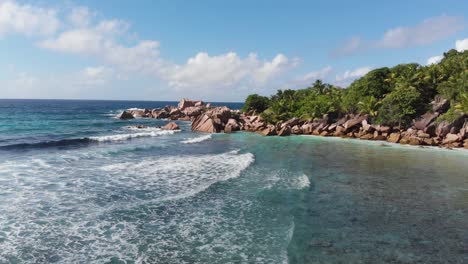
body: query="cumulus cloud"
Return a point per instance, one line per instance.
(225, 70)
(424, 33)
(349, 76)
(81, 32)
(434, 60)
(461, 45)
(27, 19)
(80, 16)
(321, 74)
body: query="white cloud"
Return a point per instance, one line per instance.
(96, 75)
(461, 45)
(205, 71)
(80, 16)
(349, 76)
(316, 75)
(80, 41)
(434, 60)
(82, 33)
(27, 19)
(424, 33)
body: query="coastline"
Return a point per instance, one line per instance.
(424, 132)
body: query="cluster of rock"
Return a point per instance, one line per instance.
(186, 110)
(424, 131)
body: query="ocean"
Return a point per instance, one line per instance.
(78, 185)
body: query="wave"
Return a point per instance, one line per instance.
(52, 143)
(121, 137)
(82, 142)
(178, 177)
(196, 140)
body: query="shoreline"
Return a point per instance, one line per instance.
(220, 119)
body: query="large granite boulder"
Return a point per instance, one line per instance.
(192, 111)
(284, 131)
(171, 126)
(270, 130)
(231, 126)
(184, 103)
(440, 104)
(394, 137)
(160, 113)
(451, 138)
(425, 120)
(212, 121)
(125, 115)
(205, 123)
(139, 112)
(353, 122)
(291, 122)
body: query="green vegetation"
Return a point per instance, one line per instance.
(391, 96)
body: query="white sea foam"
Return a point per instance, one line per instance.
(197, 139)
(121, 137)
(301, 182)
(182, 176)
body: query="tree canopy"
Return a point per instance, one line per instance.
(388, 95)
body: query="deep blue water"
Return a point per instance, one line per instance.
(79, 186)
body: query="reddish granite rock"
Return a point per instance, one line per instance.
(291, 122)
(270, 130)
(171, 126)
(394, 137)
(231, 126)
(425, 120)
(285, 131)
(354, 122)
(307, 128)
(451, 138)
(414, 141)
(160, 113)
(192, 111)
(184, 103)
(440, 104)
(367, 136)
(296, 130)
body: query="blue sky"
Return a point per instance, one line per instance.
(212, 50)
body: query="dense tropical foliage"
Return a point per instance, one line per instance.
(393, 96)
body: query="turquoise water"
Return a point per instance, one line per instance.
(79, 186)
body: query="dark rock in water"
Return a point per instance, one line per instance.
(285, 131)
(270, 130)
(160, 113)
(231, 126)
(171, 126)
(125, 115)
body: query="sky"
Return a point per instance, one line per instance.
(213, 50)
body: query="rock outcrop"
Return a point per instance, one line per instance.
(171, 126)
(425, 130)
(125, 115)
